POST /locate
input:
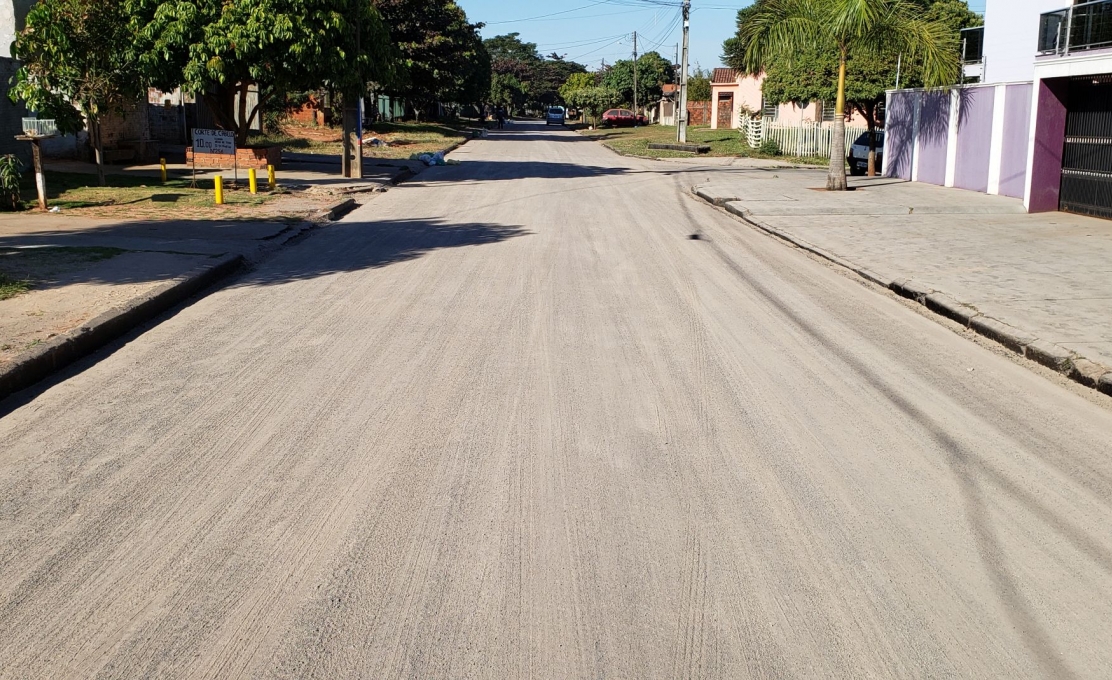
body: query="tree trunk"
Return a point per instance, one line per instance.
(243, 125)
(872, 149)
(836, 179)
(98, 147)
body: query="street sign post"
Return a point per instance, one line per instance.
(218, 142)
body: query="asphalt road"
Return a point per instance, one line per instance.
(509, 420)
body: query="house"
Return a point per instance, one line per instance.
(13, 14)
(734, 93)
(1036, 126)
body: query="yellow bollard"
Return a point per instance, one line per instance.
(162, 161)
(218, 187)
(270, 176)
(252, 181)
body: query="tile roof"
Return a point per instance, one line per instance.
(724, 75)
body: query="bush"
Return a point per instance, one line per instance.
(769, 147)
(10, 167)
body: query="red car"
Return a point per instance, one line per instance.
(622, 118)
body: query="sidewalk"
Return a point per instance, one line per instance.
(977, 258)
(92, 279)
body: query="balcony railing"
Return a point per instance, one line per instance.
(1085, 26)
(972, 45)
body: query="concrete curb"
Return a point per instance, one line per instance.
(35, 365)
(1070, 364)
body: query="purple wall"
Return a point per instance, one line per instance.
(974, 137)
(1050, 137)
(1013, 154)
(934, 128)
(899, 133)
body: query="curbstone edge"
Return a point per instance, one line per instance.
(1012, 338)
(943, 304)
(35, 365)
(1105, 383)
(1087, 372)
(1050, 355)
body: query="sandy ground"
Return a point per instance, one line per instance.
(78, 296)
(510, 421)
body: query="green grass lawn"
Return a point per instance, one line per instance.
(635, 142)
(22, 268)
(403, 139)
(10, 287)
(137, 197)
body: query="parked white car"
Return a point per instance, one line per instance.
(859, 153)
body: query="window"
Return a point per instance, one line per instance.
(828, 109)
(972, 44)
(770, 110)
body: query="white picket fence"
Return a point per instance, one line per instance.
(807, 139)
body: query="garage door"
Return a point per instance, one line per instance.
(1087, 158)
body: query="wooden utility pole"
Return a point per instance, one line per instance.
(352, 165)
(635, 76)
(682, 131)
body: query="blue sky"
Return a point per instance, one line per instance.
(589, 31)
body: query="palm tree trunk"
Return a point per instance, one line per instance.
(836, 179)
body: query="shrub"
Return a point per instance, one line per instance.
(10, 168)
(769, 147)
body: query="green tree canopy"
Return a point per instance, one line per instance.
(76, 65)
(443, 58)
(540, 77)
(594, 100)
(842, 50)
(220, 49)
(653, 71)
(576, 81)
(698, 86)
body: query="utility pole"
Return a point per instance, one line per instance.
(682, 131)
(635, 75)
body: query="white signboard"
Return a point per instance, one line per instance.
(222, 142)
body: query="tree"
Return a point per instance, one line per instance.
(594, 100)
(440, 51)
(653, 71)
(221, 49)
(576, 81)
(506, 90)
(698, 87)
(540, 77)
(775, 32)
(75, 65)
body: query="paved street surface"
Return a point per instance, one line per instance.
(510, 421)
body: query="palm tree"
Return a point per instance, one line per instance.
(777, 30)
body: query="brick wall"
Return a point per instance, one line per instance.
(698, 113)
(258, 157)
(165, 123)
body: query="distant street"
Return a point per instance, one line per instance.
(510, 420)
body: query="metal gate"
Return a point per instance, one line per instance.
(1087, 158)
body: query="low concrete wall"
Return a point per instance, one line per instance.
(251, 157)
(974, 137)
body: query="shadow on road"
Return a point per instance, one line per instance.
(355, 246)
(488, 171)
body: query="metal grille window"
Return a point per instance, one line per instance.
(1085, 26)
(827, 111)
(770, 110)
(972, 45)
